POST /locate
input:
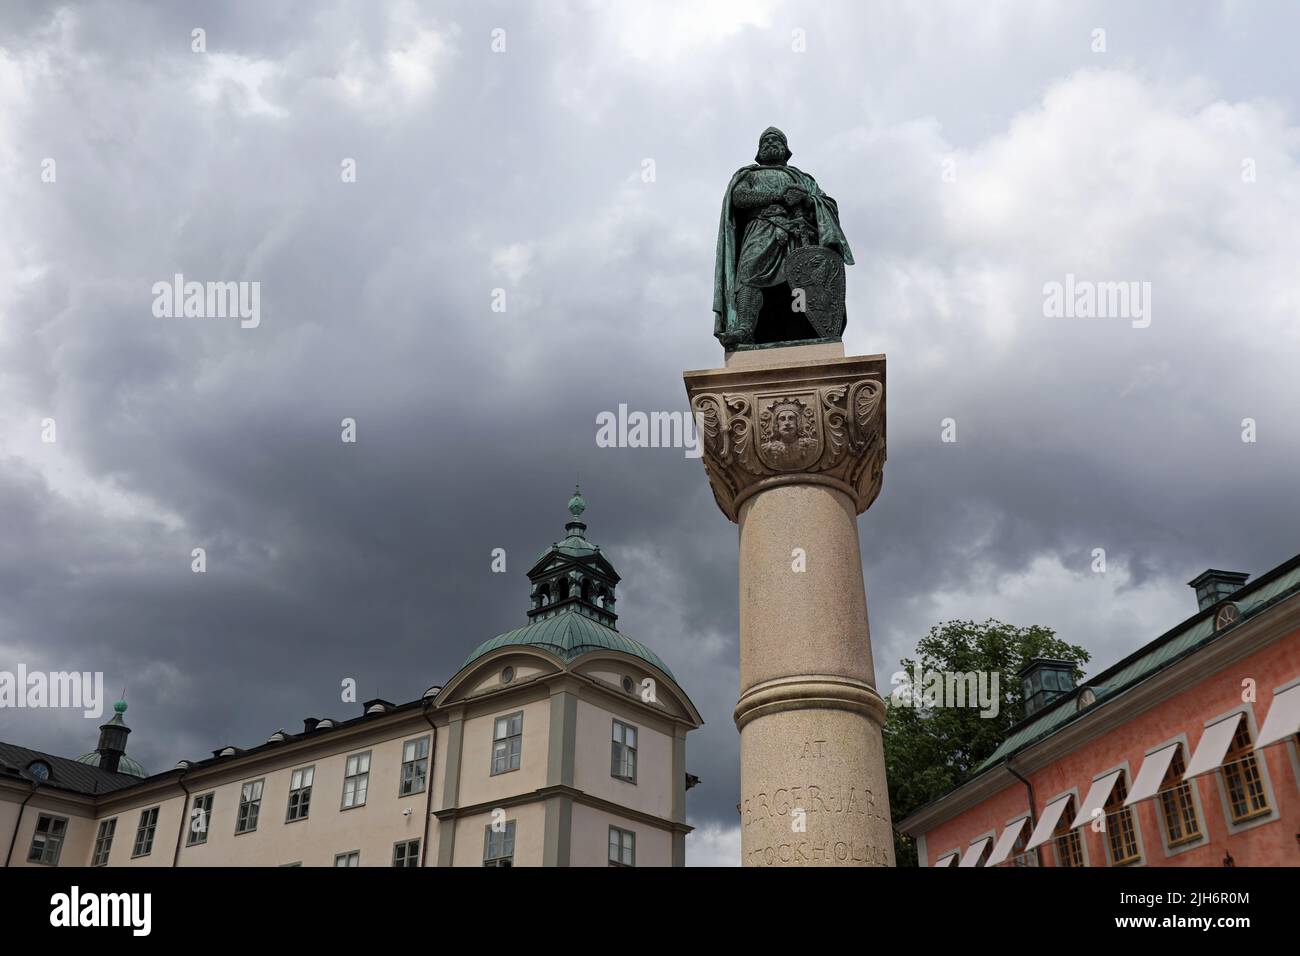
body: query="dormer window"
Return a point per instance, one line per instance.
(1043, 680)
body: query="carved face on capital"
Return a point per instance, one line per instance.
(787, 424)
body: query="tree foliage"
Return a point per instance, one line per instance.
(931, 750)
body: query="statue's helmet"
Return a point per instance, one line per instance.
(781, 136)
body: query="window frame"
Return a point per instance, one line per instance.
(1113, 807)
(512, 757)
(507, 840)
(1264, 816)
(303, 812)
(242, 818)
(1182, 845)
(206, 800)
(1074, 837)
(343, 797)
(48, 838)
(347, 855)
(152, 827)
(614, 753)
(103, 841)
(622, 847)
(415, 761)
(1025, 833)
(991, 839)
(409, 854)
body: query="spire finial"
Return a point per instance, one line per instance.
(576, 505)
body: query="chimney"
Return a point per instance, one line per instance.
(1213, 586)
(1043, 680)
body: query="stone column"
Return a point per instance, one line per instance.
(794, 448)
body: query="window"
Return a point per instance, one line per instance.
(622, 847)
(144, 833)
(1069, 848)
(1176, 804)
(47, 841)
(356, 780)
(415, 765)
(352, 858)
(1121, 835)
(623, 752)
(300, 794)
(406, 854)
(499, 845)
(1246, 797)
(1019, 856)
(103, 842)
(250, 805)
(200, 817)
(507, 742)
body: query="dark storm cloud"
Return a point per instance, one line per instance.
(522, 171)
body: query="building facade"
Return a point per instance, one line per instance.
(560, 743)
(1185, 753)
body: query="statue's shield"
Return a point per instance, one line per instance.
(819, 272)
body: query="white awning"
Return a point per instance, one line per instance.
(948, 859)
(1152, 774)
(1002, 849)
(1096, 799)
(1283, 718)
(974, 851)
(1047, 822)
(1214, 744)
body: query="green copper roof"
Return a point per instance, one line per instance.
(1156, 656)
(569, 635)
(124, 765)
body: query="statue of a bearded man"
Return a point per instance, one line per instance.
(770, 210)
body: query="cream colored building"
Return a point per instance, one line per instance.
(561, 743)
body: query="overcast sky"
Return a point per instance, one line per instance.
(977, 152)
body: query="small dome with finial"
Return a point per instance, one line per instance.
(119, 707)
(576, 505)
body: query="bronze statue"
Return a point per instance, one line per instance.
(779, 273)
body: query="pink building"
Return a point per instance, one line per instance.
(1182, 754)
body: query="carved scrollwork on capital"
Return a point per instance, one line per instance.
(821, 434)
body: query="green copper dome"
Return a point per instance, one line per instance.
(569, 636)
(124, 764)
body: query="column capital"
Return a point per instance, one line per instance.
(820, 421)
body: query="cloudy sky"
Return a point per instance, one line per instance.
(977, 152)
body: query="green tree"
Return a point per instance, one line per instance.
(930, 750)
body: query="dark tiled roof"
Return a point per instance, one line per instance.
(65, 774)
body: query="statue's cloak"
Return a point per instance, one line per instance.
(724, 268)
